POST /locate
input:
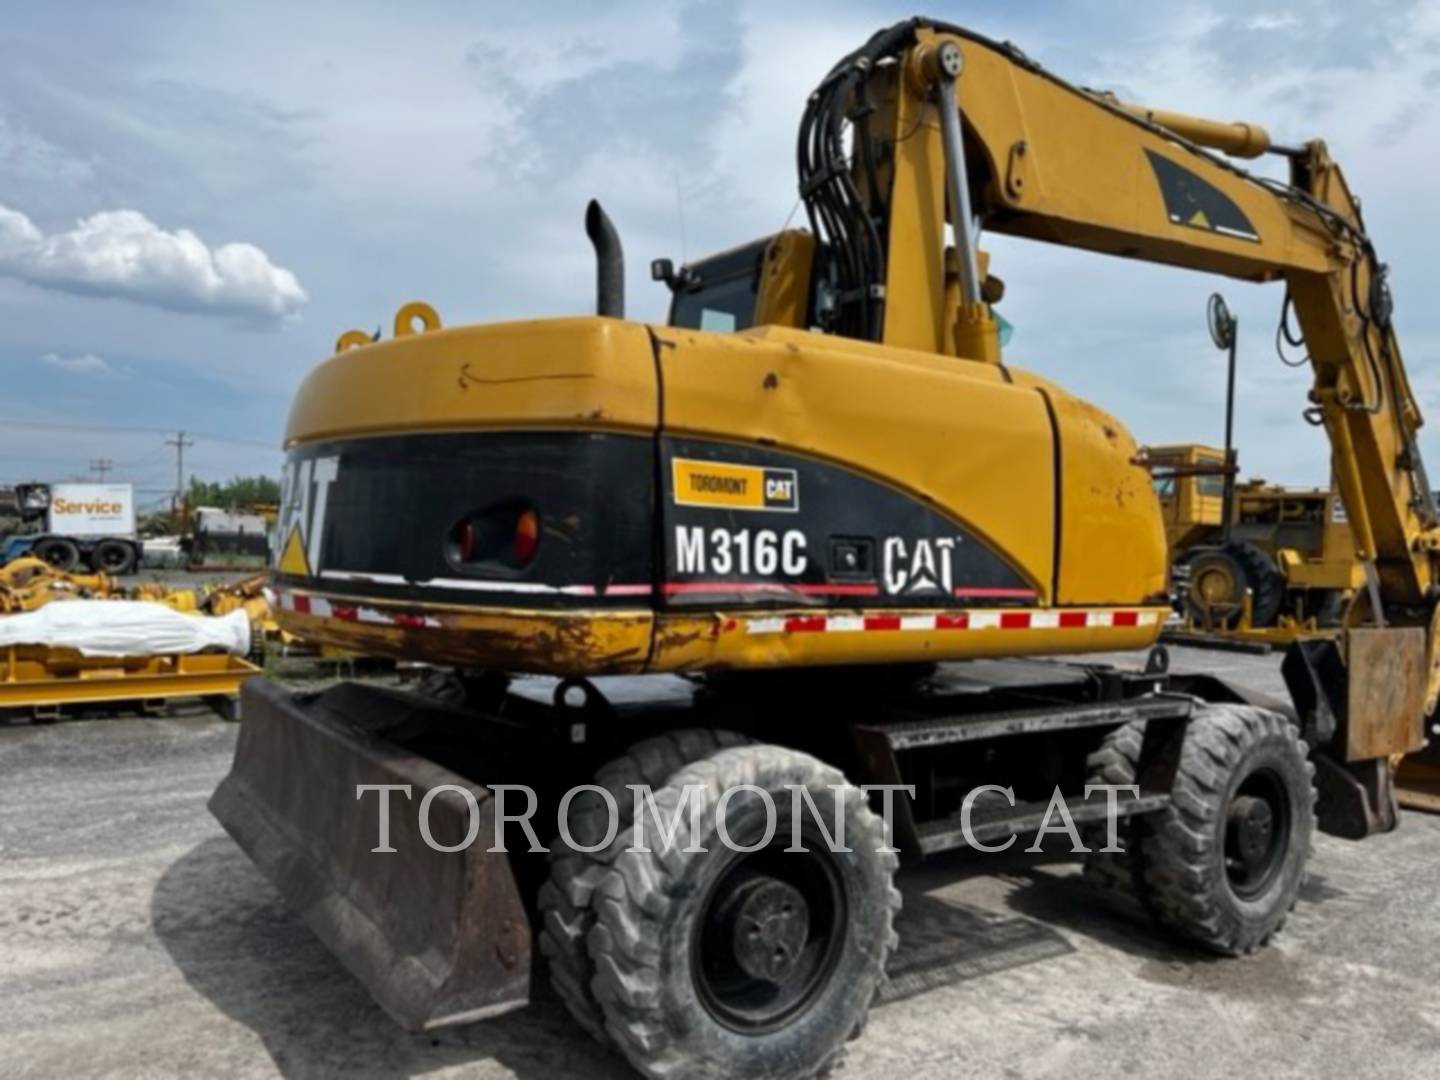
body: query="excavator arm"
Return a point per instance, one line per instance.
(1034, 156)
(929, 135)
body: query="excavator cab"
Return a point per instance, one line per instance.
(767, 282)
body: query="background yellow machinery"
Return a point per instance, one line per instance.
(1291, 548)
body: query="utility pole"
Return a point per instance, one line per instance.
(101, 466)
(180, 442)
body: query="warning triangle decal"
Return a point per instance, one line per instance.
(292, 559)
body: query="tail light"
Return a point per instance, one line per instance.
(527, 537)
(466, 541)
(499, 538)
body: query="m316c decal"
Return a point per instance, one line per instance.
(848, 537)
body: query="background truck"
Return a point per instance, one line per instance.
(1291, 548)
(229, 538)
(71, 526)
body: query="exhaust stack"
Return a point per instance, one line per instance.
(609, 262)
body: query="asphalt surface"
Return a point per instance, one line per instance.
(136, 939)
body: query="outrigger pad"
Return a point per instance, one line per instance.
(437, 938)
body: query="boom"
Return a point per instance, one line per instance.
(1037, 157)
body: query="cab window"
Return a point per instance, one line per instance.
(722, 291)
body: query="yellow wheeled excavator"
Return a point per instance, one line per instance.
(816, 481)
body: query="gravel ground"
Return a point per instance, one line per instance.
(136, 939)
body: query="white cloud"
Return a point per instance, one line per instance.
(1272, 21)
(82, 364)
(123, 254)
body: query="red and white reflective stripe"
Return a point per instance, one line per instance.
(990, 619)
(321, 607)
(801, 588)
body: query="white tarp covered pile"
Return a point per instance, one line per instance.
(125, 628)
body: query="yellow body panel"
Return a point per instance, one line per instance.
(723, 640)
(619, 641)
(784, 292)
(954, 434)
(1112, 540)
(571, 373)
(579, 642)
(974, 441)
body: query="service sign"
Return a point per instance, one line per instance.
(92, 509)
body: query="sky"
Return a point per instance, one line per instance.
(196, 198)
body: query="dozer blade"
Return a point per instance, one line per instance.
(437, 938)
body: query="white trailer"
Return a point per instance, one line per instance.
(89, 525)
(92, 510)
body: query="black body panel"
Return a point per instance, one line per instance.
(394, 502)
(747, 525)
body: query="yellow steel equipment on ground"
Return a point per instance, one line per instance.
(28, 583)
(39, 680)
(822, 460)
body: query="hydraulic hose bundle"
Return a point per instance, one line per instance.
(849, 226)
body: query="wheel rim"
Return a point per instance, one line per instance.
(1214, 586)
(768, 936)
(56, 556)
(1257, 833)
(112, 558)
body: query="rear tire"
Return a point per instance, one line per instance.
(1224, 862)
(566, 915)
(714, 963)
(1218, 578)
(62, 555)
(113, 557)
(1215, 588)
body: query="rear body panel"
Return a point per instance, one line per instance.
(707, 500)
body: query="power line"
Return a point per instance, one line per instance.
(145, 460)
(101, 466)
(45, 426)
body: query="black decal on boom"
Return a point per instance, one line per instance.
(1198, 204)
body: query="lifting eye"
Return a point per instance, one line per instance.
(502, 537)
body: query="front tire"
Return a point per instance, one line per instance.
(715, 963)
(565, 900)
(1224, 862)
